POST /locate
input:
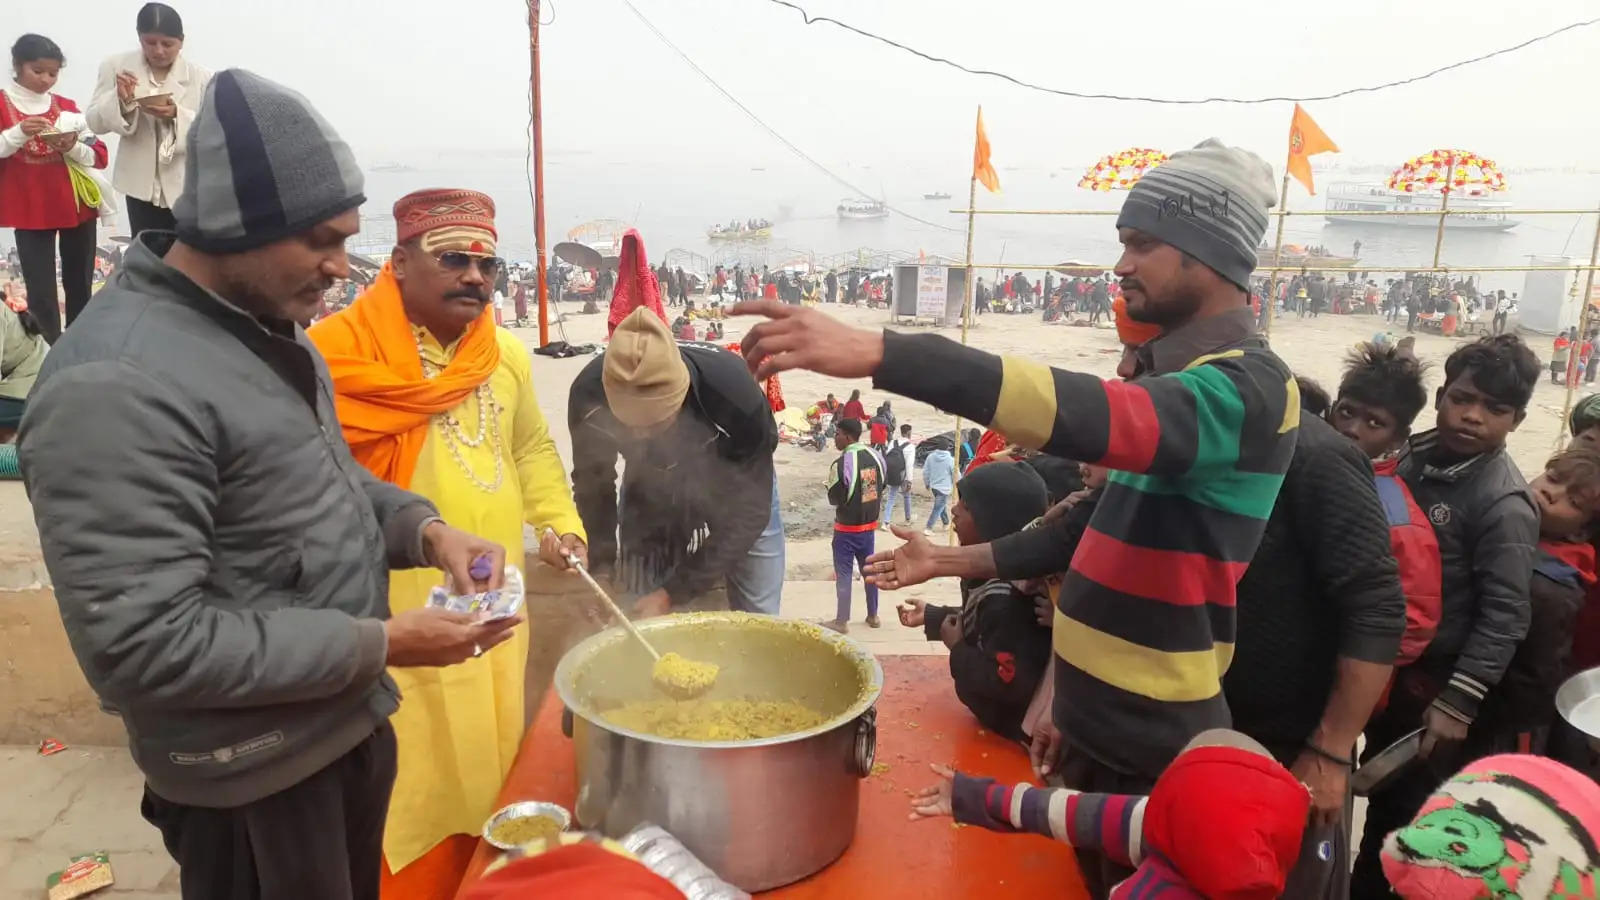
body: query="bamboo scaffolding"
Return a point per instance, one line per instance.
(1584, 315)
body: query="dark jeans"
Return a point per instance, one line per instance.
(850, 552)
(321, 838)
(143, 216)
(1322, 871)
(37, 250)
(1081, 772)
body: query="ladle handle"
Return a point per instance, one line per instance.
(572, 560)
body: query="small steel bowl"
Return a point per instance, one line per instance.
(1576, 702)
(525, 809)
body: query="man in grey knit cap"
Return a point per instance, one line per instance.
(1198, 444)
(220, 560)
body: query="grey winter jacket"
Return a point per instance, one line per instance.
(1488, 526)
(219, 558)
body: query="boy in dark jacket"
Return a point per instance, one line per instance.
(998, 650)
(855, 488)
(1487, 524)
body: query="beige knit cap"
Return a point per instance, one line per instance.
(644, 374)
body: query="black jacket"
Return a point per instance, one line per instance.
(855, 488)
(1524, 701)
(1001, 657)
(1046, 550)
(698, 494)
(1487, 525)
(1323, 584)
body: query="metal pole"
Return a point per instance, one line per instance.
(1271, 300)
(1583, 331)
(1444, 210)
(541, 261)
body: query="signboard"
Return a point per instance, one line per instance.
(933, 283)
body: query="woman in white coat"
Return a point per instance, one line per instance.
(149, 97)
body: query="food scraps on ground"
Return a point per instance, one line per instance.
(714, 720)
(86, 874)
(683, 678)
(524, 830)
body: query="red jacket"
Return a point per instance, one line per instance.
(1416, 552)
(35, 190)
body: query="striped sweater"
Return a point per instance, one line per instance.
(1111, 824)
(1144, 626)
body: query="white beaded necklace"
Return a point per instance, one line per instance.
(455, 436)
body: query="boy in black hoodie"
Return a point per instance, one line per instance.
(998, 650)
(1487, 525)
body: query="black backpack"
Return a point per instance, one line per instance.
(894, 465)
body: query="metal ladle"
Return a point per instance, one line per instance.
(675, 675)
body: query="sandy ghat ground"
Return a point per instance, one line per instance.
(1313, 347)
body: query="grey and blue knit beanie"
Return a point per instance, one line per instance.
(262, 165)
(1210, 202)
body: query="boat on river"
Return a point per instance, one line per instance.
(1297, 255)
(862, 208)
(1477, 211)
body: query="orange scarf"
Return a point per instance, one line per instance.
(383, 400)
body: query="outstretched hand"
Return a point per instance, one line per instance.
(937, 799)
(794, 337)
(909, 564)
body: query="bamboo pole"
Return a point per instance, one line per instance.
(1444, 210)
(541, 262)
(1583, 330)
(1270, 300)
(966, 318)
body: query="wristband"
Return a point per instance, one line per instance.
(1338, 760)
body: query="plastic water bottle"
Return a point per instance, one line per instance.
(666, 856)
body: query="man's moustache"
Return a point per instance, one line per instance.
(468, 295)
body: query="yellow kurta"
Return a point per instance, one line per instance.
(458, 727)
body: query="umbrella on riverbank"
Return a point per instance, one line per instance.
(1121, 170)
(1446, 171)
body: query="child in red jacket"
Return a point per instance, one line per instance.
(1568, 494)
(1379, 396)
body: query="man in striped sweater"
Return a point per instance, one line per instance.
(1144, 628)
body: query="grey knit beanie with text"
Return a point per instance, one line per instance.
(1210, 202)
(262, 165)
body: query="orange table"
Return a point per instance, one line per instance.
(919, 722)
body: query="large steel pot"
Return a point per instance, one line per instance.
(761, 813)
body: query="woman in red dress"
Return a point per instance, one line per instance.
(37, 193)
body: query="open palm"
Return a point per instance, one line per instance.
(909, 564)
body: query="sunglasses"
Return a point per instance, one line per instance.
(457, 261)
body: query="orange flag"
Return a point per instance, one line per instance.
(1306, 139)
(982, 169)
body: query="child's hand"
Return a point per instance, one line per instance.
(934, 801)
(950, 630)
(913, 613)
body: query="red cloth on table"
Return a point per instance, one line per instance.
(35, 189)
(636, 284)
(575, 872)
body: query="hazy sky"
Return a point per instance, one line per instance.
(402, 78)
